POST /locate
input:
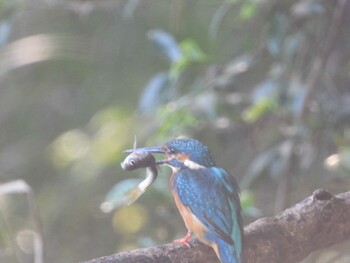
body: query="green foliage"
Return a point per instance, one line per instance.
(259, 109)
(9, 7)
(247, 10)
(97, 146)
(190, 53)
(183, 118)
(239, 75)
(248, 204)
(163, 86)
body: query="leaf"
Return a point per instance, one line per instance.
(165, 44)
(248, 9)
(154, 93)
(218, 17)
(259, 109)
(264, 99)
(248, 204)
(191, 52)
(247, 199)
(175, 122)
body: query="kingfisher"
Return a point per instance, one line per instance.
(206, 195)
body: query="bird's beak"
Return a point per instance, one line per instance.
(154, 149)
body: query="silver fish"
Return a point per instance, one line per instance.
(136, 160)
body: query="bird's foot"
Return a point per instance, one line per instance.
(184, 240)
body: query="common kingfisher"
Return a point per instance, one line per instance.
(206, 195)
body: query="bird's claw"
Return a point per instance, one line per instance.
(184, 240)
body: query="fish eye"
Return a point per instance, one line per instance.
(132, 162)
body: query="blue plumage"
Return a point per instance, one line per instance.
(212, 196)
(206, 196)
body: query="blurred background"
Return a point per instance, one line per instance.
(265, 84)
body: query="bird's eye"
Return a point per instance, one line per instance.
(172, 150)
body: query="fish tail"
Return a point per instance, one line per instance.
(132, 195)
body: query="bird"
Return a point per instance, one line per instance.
(206, 195)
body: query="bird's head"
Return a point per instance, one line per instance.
(182, 153)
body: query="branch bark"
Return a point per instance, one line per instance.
(319, 221)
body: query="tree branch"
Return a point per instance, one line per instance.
(319, 221)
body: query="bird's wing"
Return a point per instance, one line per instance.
(212, 196)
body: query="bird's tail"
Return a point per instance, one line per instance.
(228, 253)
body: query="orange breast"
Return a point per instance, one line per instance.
(191, 221)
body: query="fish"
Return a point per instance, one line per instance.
(136, 160)
(139, 159)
